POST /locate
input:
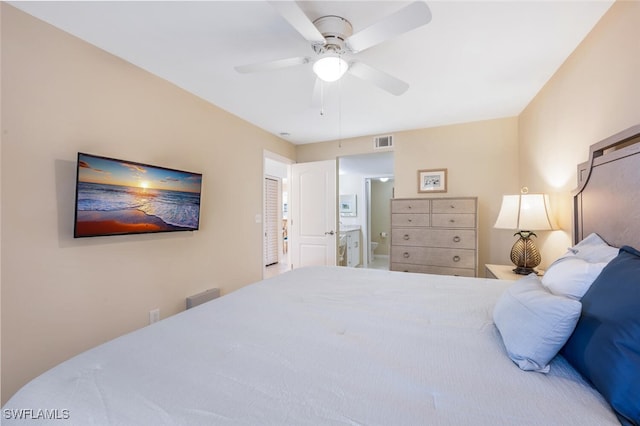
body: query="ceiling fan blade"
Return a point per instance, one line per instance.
(290, 11)
(412, 16)
(379, 78)
(272, 65)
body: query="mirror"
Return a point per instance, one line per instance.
(348, 205)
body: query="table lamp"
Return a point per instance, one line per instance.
(525, 213)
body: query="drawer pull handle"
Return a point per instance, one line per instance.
(456, 239)
(405, 255)
(409, 206)
(406, 237)
(452, 220)
(452, 206)
(409, 220)
(456, 258)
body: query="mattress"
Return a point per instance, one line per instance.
(317, 345)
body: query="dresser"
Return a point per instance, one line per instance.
(435, 235)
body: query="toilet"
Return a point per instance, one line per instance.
(374, 245)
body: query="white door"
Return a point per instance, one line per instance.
(313, 201)
(271, 221)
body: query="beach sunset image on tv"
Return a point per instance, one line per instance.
(122, 197)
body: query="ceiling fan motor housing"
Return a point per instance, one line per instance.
(335, 30)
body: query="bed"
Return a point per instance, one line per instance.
(333, 345)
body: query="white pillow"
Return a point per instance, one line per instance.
(571, 276)
(534, 324)
(594, 249)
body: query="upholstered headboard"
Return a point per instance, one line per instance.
(607, 200)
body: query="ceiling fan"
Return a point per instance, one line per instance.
(334, 44)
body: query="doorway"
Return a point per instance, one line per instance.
(358, 175)
(272, 220)
(379, 192)
(276, 176)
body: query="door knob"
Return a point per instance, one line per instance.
(329, 233)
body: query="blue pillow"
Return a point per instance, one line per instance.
(605, 345)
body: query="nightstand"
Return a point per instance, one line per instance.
(504, 272)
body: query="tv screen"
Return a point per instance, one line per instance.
(116, 197)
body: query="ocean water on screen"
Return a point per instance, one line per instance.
(173, 207)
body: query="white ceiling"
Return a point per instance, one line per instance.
(475, 60)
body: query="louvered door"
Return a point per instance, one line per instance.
(271, 227)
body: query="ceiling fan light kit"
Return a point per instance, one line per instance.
(330, 68)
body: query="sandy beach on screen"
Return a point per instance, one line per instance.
(128, 221)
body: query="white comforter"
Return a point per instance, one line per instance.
(318, 346)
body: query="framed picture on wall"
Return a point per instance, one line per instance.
(348, 205)
(432, 180)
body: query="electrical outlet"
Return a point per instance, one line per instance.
(154, 315)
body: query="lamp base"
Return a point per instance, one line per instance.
(521, 270)
(524, 254)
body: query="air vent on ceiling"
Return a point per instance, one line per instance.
(381, 142)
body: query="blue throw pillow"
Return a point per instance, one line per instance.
(605, 345)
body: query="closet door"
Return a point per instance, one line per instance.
(271, 228)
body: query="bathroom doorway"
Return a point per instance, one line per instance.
(358, 175)
(379, 192)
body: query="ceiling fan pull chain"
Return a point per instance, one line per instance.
(322, 98)
(340, 113)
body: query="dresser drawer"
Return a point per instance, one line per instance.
(429, 237)
(410, 219)
(438, 270)
(410, 206)
(456, 258)
(467, 220)
(458, 205)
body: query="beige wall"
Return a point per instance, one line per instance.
(60, 295)
(595, 94)
(481, 158)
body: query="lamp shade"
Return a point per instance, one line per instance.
(525, 212)
(330, 68)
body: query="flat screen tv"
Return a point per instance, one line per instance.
(117, 197)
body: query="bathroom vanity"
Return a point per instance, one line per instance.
(349, 246)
